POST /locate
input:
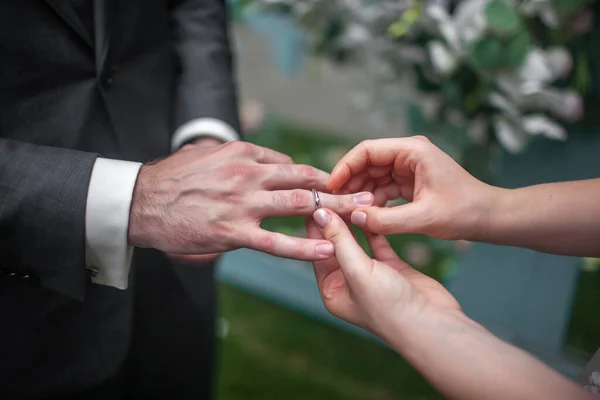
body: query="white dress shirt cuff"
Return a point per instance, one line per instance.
(107, 221)
(203, 127)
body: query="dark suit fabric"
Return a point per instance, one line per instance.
(70, 92)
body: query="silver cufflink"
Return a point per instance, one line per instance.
(93, 271)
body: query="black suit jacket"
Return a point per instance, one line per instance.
(66, 97)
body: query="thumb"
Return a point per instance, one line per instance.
(351, 258)
(385, 220)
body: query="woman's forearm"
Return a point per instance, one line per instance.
(558, 218)
(464, 361)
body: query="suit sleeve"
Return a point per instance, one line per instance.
(43, 192)
(206, 88)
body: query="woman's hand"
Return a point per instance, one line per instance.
(419, 319)
(376, 294)
(445, 201)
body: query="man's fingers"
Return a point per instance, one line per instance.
(298, 202)
(285, 246)
(407, 218)
(295, 176)
(376, 153)
(351, 258)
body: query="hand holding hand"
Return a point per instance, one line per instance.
(372, 293)
(211, 200)
(445, 201)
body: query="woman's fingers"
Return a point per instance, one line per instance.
(400, 154)
(350, 256)
(323, 268)
(407, 218)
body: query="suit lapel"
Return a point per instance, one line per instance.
(103, 24)
(64, 9)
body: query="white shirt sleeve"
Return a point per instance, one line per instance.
(109, 199)
(202, 127)
(107, 221)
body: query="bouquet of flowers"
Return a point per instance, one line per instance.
(474, 74)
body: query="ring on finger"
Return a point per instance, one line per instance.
(317, 199)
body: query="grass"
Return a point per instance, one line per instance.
(273, 353)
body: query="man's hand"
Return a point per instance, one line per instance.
(212, 200)
(199, 259)
(445, 201)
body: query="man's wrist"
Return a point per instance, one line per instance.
(140, 211)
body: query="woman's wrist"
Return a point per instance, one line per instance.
(412, 336)
(492, 209)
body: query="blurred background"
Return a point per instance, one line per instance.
(508, 88)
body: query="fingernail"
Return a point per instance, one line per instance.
(325, 249)
(358, 218)
(364, 199)
(322, 218)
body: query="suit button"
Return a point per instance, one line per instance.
(107, 81)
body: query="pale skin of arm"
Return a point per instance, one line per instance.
(420, 320)
(446, 202)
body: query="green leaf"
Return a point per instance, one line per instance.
(487, 54)
(417, 121)
(398, 29)
(568, 7)
(501, 17)
(517, 49)
(452, 92)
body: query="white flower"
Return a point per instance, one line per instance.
(469, 17)
(535, 71)
(542, 8)
(478, 130)
(442, 60)
(356, 35)
(571, 108)
(542, 125)
(560, 61)
(509, 136)
(504, 104)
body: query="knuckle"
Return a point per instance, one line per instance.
(243, 148)
(266, 244)
(336, 236)
(378, 225)
(241, 170)
(366, 145)
(343, 203)
(284, 170)
(287, 159)
(298, 199)
(422, 138)
(301, 250)
(306, 170)
(280, 200)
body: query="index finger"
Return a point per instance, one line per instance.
(398, 152)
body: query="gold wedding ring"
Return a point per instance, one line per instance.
(317, 199)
